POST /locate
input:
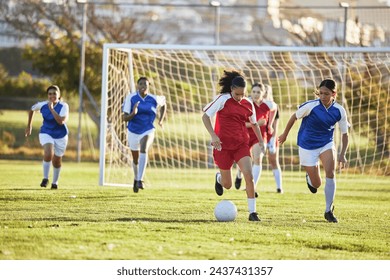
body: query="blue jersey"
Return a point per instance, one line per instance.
(318, 122)
(147, 111)
(50, 125)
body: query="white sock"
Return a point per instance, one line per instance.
(142, 161)
(239, 174)
(251, 205)
(256, 171)
(219, 177)
(135, 170)
(278, 177)
(56, 174)
(330, 191)
(46, 169)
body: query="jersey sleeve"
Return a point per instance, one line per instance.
(37, 106)
(64, 110)
(161, 100)
(253, 118)
(271, 105)
(343, 123)
(126, 107)
(216, 105)
(305, 109)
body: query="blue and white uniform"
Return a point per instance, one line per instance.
(52, 132)
(317, 129)
(142, 123)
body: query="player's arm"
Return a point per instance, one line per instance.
(215, 141)
(128, 117)
(28, 129)
(256, 129)
(345, 143)
(289, 125)
(61, 120)
(163, 112)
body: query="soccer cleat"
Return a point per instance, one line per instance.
(54, 186)
(140, 185)
(218, 186)
(135, 186)
(237, 183)
(256, 195)
(44, 182)
(253, 217)
(279, 191)
(330, 217)
(311, 188)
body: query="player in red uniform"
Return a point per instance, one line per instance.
(230, 137)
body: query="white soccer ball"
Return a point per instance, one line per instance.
(225, 211)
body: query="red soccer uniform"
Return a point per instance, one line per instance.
(262, 112)
(231, 116)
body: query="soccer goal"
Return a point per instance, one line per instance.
(188, 76)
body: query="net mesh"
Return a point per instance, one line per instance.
(188, 78)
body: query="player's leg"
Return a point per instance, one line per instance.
(257, 166)
(145, 143)
(47, 143)
(245, 165)
(273, 159)
(59, 151)
(309, 159)
(238, 180)
(328, 159)
(224, 160)
(134, 145)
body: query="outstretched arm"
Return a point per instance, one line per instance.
(215, 141)
(163, 112)
(28, 129)
(290, 123)
(342, 159)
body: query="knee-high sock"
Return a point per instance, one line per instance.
(135, 170)
(143, 160)
(256, 171)
(46, 169)
(330, 191)
(56, 174)
(278, 177)
(251, 205)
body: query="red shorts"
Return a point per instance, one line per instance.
(224, 159)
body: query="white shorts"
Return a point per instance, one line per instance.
(59, 144)
(134, 139)
(311, 157)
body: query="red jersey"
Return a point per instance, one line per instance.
(262, 112)
(230, 121)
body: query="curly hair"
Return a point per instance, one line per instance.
(231, 78)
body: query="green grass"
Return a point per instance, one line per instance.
(173, 218)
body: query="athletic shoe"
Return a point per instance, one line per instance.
(279, 191)
(253, 217)
(330, 217)
(218, 186)
(237, 183)
(54, 186)
(311, 188)
(135, 186)
(256, 195)
(140, 185)
(44, 182)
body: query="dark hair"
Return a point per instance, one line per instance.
(142, 78)
(260, 85)
(330, 84)
(231, 78)
(56, 88)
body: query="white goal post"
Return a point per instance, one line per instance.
(188, 77)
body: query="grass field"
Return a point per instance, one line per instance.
(173, 218)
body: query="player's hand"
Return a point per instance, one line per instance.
(27, 131)
(282, 138)
(216, 143)
(135, 108)
(270, 130)
(342, 162)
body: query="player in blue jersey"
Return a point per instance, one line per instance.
(315, 140)
(140, 110)
(53, 135)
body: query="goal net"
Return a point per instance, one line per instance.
(188, 77)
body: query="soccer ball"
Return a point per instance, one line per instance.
(225, 211)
